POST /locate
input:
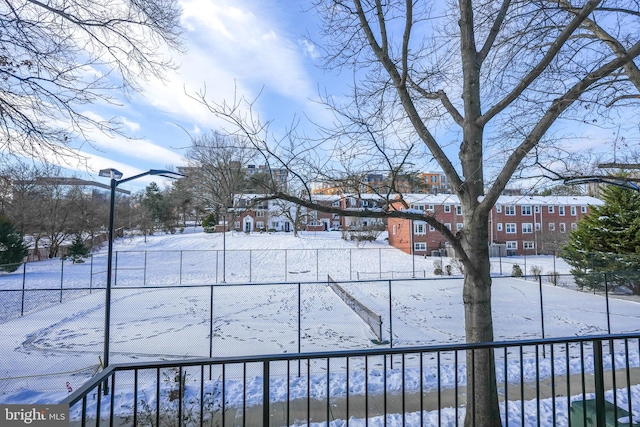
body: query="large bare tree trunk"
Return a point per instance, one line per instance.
(482, 394)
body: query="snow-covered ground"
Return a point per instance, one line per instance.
(57, 346)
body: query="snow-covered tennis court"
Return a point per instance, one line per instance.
(51, 349)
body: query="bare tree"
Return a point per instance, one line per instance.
(495, 77)
(57, 57)
(217, 170)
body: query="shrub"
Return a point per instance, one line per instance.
(516, 271)
(536, 271)
(437, 268)
(12, 248)
(448, 270)
(458, 265)
(554, 277)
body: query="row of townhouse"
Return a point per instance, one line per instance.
(518, 225)
(279, 215)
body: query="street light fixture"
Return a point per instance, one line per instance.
(116, 179)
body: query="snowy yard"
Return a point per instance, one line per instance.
(50, 349)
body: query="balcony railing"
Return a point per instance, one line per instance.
(576, 381)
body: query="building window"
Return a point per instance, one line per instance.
(430, 208)
(574, 211)
(499, 226)
(561, 210)
(563, 227)
(336, 204)
(527, 245)
(583, 209)
(419, 228)
(447, 208)
(511, 228)
(498, 208)
(259, 225)
(550, 209)
(434, 179)
(459, 226)
(574, 226)
(431, 228)
(448, 226)
(526, 210)
(458, 210)
(512, 245)
(260, 214)
(536, 209)
(236, 225)
(275, 224)
(552, 226)
(510, 210)
(538, 226)
(527, 228)
(419, 246)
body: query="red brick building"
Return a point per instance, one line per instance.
(517, 224)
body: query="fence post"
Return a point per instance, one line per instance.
(599, 383)
(91, 274)
(61, 276)
(24, 280)
(115, 269)
(144, 270)
(542, 315)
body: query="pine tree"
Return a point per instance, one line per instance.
(78, 250)
(607, 240)
(12, 247)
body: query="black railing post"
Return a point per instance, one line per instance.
(390, 319)
(599, 383)
(606, 297)
(265, 394)
(542, 316)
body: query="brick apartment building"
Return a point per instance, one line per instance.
(517, 224)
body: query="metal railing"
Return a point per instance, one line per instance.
(551, 382)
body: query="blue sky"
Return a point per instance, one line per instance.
(234, 48)
(243, 46)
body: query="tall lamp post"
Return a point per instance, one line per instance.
(116, 179)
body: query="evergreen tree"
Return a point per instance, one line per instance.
(78, 250)
(607, 240)
(12, 248)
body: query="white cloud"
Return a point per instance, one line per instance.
(236, 48)
(132, 126)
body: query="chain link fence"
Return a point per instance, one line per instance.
(65, 327)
